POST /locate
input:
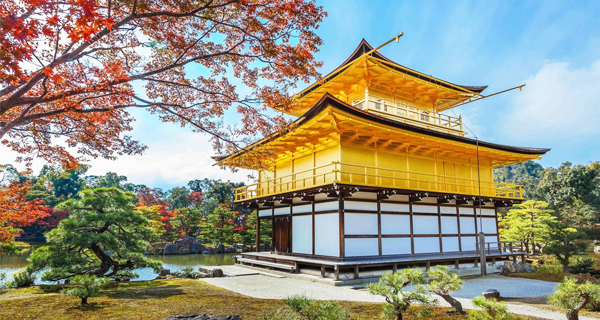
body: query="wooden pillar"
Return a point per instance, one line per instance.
(257, 232)
(336, 269)
(322, 271)
(428, 265)
(456, 264)
(356, 270)
(379, 226)
(342, 231)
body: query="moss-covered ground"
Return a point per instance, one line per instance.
(157, 300)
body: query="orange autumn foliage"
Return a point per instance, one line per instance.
(16, 212)
(68, 70)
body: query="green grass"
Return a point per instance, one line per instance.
(157, 300)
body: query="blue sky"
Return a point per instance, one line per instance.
(553, 46)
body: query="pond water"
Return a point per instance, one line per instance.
(10, 264)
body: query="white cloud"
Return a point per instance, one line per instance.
(174, 156)
(559, 103)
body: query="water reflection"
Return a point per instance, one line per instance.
(9, 264)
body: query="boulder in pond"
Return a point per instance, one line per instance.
(231, 249)
(170, 248)
(164, 272)
(220, 248)
(204, 317)
(197, 247)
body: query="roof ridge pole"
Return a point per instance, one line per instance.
(397, 38)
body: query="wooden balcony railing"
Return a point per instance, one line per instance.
(337, 172)
(404, 112)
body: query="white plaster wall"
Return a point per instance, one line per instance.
(327, 235)
(467, 225)
(283, 210)
(427, 245)
(365, 195)
(449, 225)
(362, 247)
(356, 205)
(450, 244)
(488, 212)
(395, 224)
(424, 209)
(360, 223)
(451, 210)
(324, 206)
(466, 210)
(321, 196)
(429, 200)
(395, 207)
(468, 243)
(302, 234)
(425, 225)
(399, 197)
(265, 212)
(395, 246)
(489, 225)
(302, 208)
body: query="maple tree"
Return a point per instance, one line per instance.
(16, 212)
(70, 68)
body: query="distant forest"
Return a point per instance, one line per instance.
(572, 191)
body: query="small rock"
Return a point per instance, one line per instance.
(164, 272)
(170, 248)
(597, 249)
(510, 267)
(491, 293)
(204, 317)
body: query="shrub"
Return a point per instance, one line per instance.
(442, 283)
(491, 309)
(187, 272)
(585, 265)
(301, 307)
(22, 278)
(84, 287)
(390, 286)
(572, 296)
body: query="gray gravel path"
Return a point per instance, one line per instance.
(265, 287)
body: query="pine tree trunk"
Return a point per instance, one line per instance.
(565, 264)
(84, 301)
(455, 304)
(399, 316)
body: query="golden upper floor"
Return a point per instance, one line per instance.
(372, 82)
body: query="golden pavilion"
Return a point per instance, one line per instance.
(375, 173)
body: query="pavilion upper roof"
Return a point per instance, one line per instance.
(375, 71)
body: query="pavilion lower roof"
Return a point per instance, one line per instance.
(332, 120)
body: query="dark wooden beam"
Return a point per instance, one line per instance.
(462, 201)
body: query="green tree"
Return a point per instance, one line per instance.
(442, 282)
(301, 307)
(526, 222)
(390, 286)
(83, 287)
(562, 186)
(491, 309)
(109, 180)
(103, 236)
(526, 173)
(178, 198)
(187, 220)
(572, 296)
(564, 241)
(249, 235)
(218, 226)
